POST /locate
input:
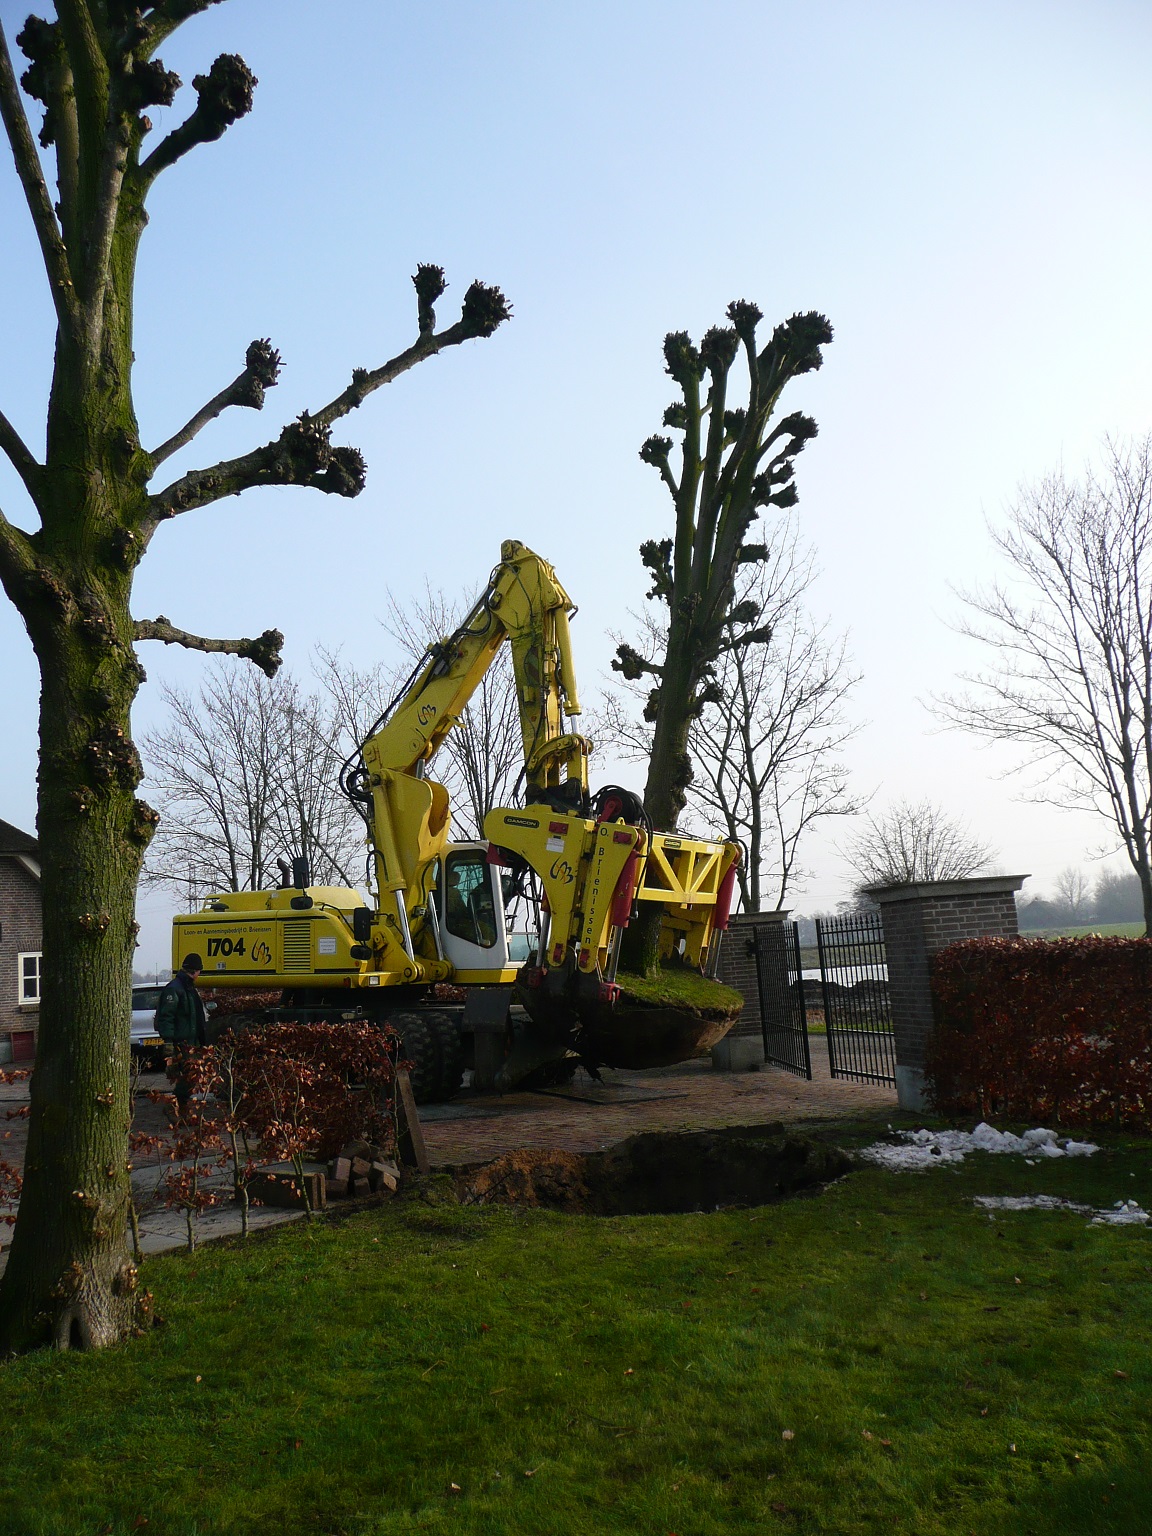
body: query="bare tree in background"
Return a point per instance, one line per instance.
(1070, 634)
(311, 816)
(913, 842)
(480, 761)
(245, 773)
(357, 697)
(765, 748)
(768, 748)
(1117, 898)
(210, 768)
(1074, 892)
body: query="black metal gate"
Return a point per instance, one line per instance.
(854, 984)
(783, 1019)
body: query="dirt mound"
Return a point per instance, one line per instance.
(661, 1172)
(553, 1179)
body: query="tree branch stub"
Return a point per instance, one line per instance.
(264, 651)
(303, 454)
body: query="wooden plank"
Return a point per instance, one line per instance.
(409, 1135)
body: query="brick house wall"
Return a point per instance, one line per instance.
(918, 921)
(21, 930)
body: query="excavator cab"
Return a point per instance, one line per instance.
(470, 910)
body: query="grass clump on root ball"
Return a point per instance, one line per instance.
(684, 988)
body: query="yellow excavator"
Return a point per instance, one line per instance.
(437, 928)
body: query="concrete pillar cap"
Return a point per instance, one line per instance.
(933, 890)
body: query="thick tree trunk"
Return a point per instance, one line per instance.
(70, 1277)
(665, 795)
(1146, 896)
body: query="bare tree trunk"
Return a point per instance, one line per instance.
(70, 1275)
(665, 795)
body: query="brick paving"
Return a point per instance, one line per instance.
(691, 1096)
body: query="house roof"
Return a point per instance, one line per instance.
(13, 841)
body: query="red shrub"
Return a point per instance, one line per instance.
(307, 1089)
(231, 1001)
(1049, 1029)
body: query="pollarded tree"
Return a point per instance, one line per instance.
(767, 749)
(94, 69)
(733, 463)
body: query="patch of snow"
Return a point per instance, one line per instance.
(1031, 1203)
(927, 1149)
(1125, 1213)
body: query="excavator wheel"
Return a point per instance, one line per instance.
(420, 1048)
(446, 1038)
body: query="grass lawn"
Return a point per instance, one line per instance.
(1104, 930)
(881, 1358)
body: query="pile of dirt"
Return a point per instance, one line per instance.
(661, 1172)
(552, 1179)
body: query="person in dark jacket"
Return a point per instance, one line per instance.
(180, 1019)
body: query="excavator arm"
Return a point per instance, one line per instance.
(407, 813)
(525, 604)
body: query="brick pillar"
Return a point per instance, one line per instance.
(744, 1042)
(919, 920)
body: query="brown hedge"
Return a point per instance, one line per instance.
(1044, 1029)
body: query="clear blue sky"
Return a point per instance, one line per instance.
(962, 188)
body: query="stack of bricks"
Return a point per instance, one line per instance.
(918, 921)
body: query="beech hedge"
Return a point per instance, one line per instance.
(1043, 1029)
